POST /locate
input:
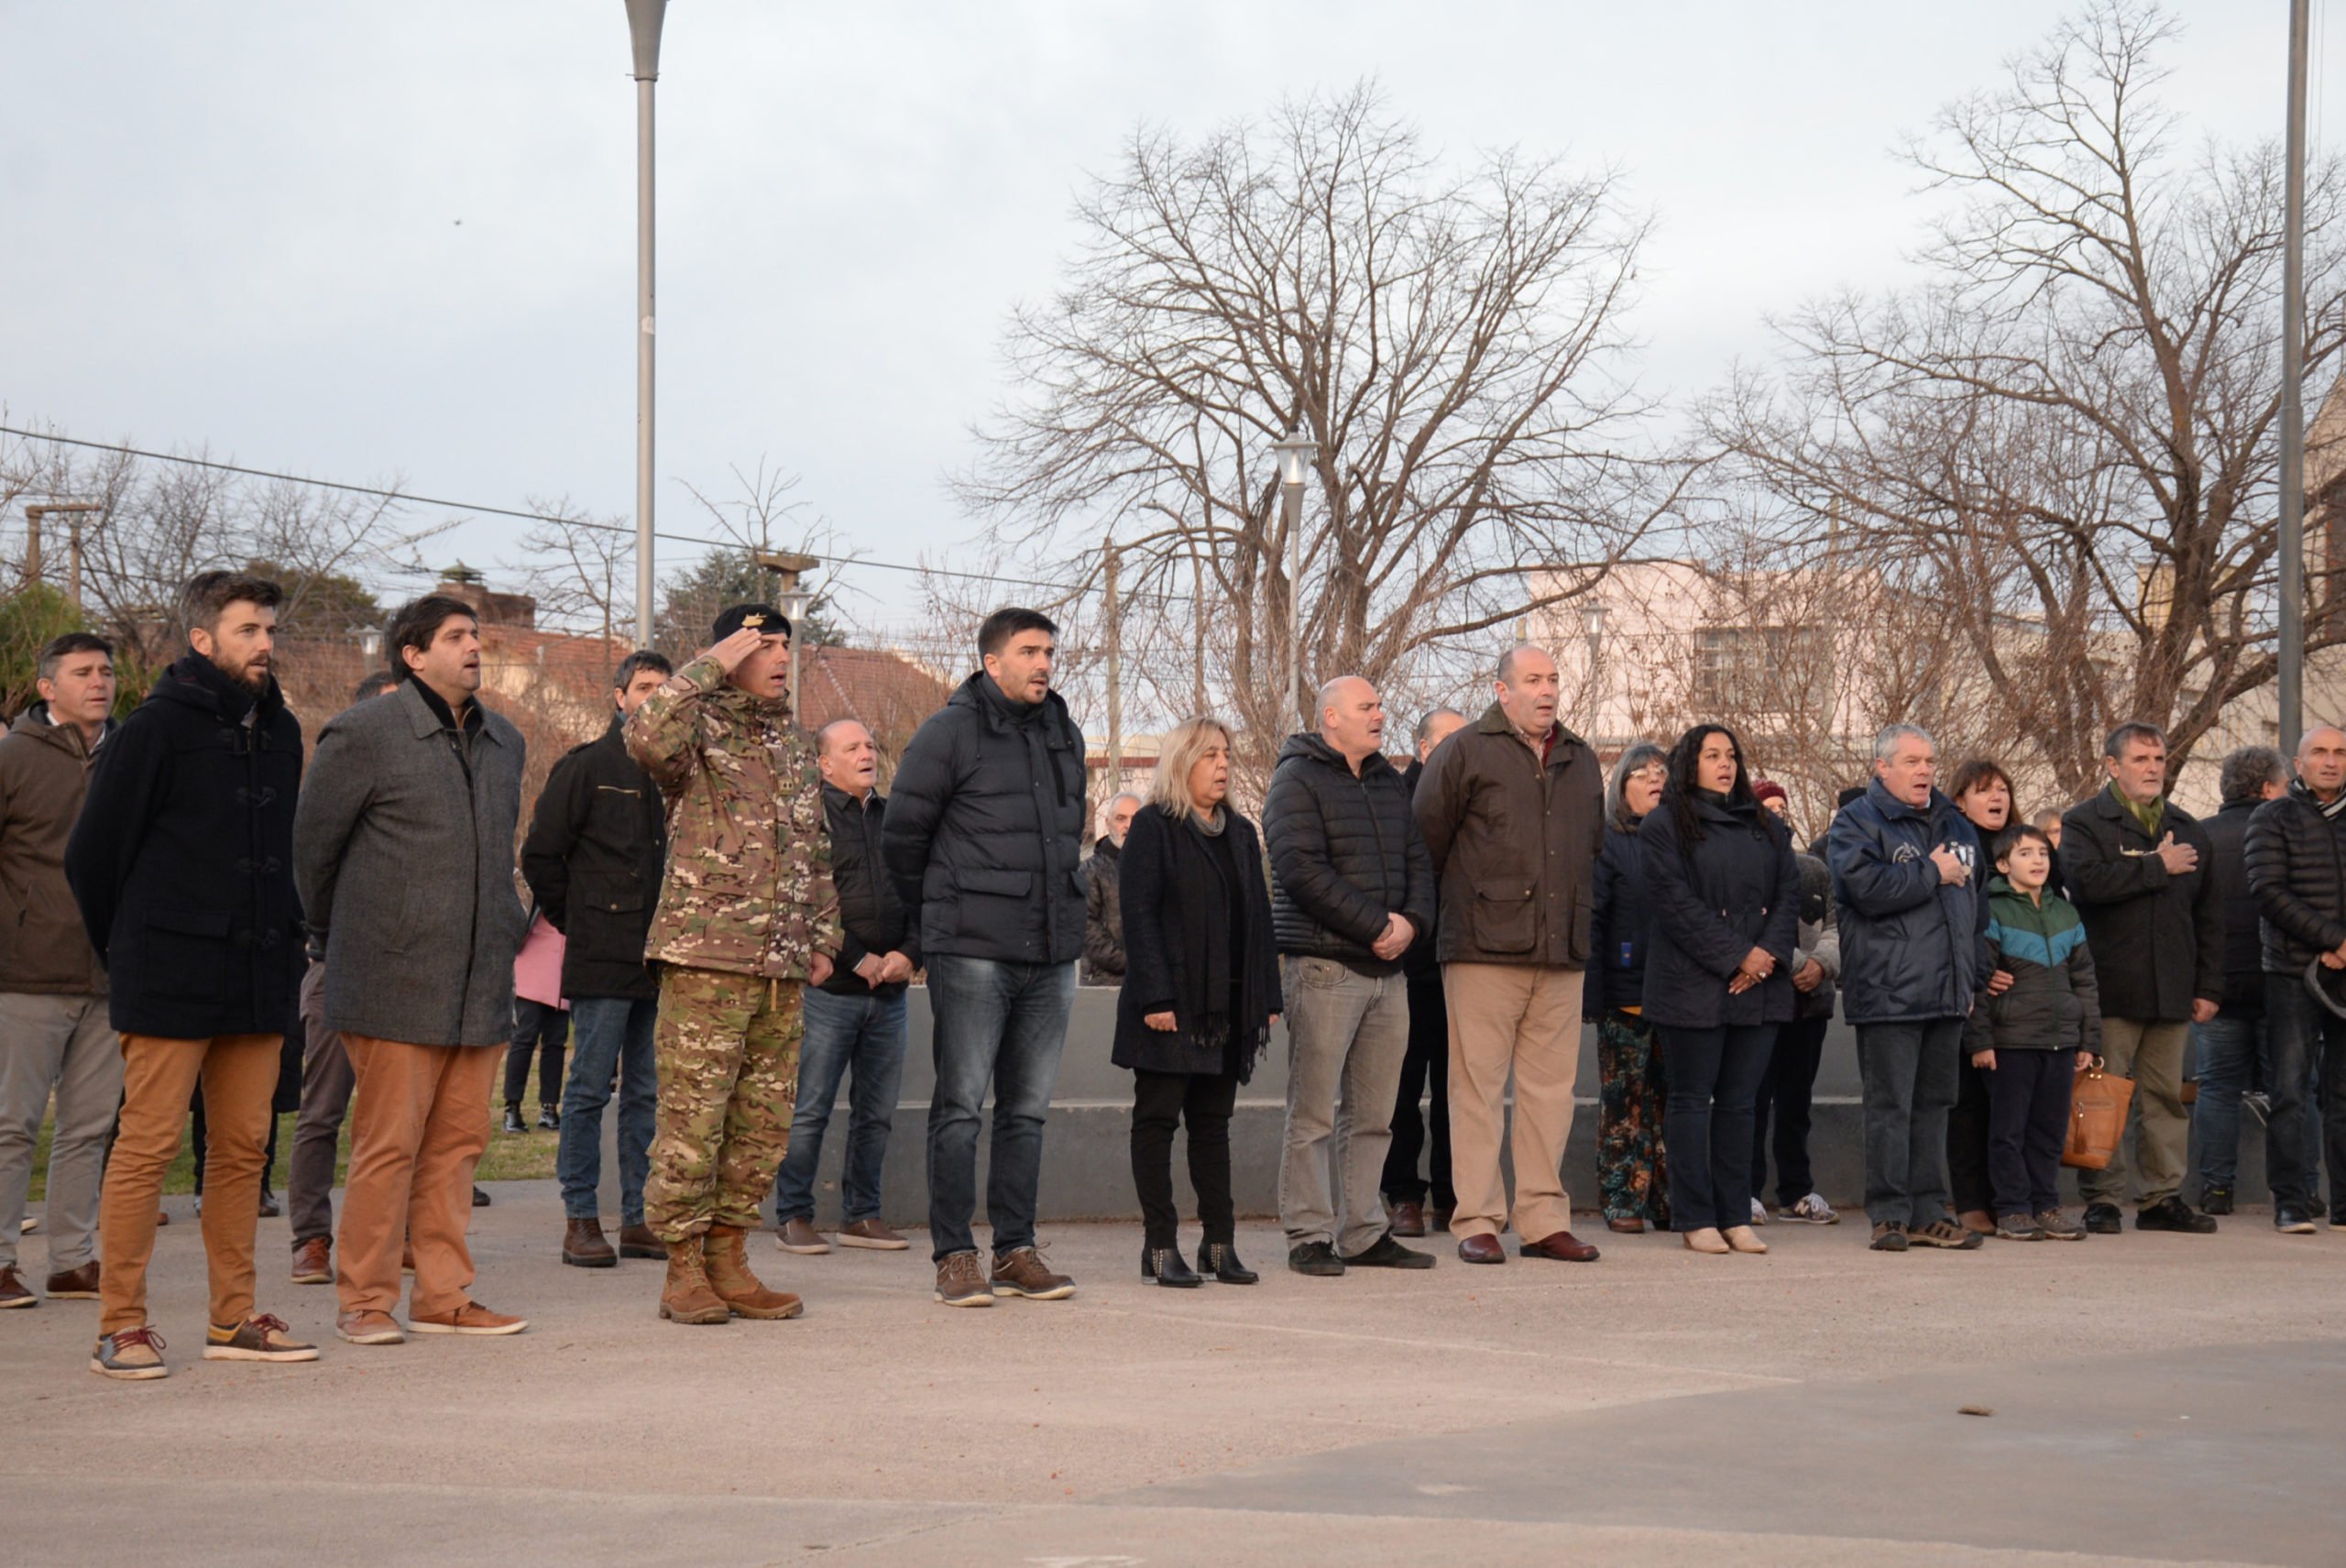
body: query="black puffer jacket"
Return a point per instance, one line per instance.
(182, 859)
(2158, 940)
(2243, 939)
(1346, 854)
(871, 915)
(1713, 900)
(983, 833)
(1617, 963)
(2297, 868)
(598, 841)
(1912, 946)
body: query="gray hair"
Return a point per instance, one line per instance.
(1425, 724)
(2126, 734)
(2247, 771)
(1644, 755)
(1886, 743)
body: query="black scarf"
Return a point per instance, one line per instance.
(1227, 982)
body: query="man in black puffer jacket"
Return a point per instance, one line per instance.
(1354, 886)
(983, 837)
(2296, 869)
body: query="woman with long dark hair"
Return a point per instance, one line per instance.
(1201, 989)
(1632, 1172)
(1725, 896)
(1982, 790)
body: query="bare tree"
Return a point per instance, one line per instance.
(1446, 339)
(581, 569)
(2068, 440)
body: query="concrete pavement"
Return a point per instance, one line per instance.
(2156, 1398)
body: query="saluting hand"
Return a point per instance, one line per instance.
(735, 648)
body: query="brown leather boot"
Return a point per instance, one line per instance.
(583, 1245)
(684, 1296)
(637, 1241)
(729, 1277)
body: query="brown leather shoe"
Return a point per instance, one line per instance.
(637, 1241)
(1632, 1226)
(1978, 1220)
(583, 1245)
(74, 1284)
(684, 1295)
(471, 1317)
(728, 1262)
(872, 1235)
(799, 1235)
(1409, 1219)
(1021, 1271)
(368, 1328)
(14, 1291)
(314, 1261)
(1481, 1249)
(1561, 1248)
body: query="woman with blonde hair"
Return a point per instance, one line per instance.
(1200, 992)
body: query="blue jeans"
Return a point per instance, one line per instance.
(2308, 1045)
(1004, 1023)
(2229, 1046)
(864, 1035)
(609, 1034)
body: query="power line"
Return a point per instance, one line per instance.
(835, 562)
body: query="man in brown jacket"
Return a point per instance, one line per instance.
(1512, 809)
(53, 1027)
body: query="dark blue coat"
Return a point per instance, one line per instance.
(1734, 889)
(1616, 960)
(1913, 948)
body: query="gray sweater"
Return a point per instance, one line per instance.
(403, 852)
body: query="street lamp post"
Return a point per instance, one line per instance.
(643, 18)
(1296, 455)
(2292, 419)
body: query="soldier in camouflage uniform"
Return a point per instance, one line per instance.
(747, 917)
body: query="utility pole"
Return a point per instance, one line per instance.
(73, 511)
(2293, 414)
(1115, 618)
(1296, 454)
(792, 600)
(643, 18)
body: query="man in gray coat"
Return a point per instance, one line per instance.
(403, 850)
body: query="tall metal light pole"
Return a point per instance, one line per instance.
(1297, 454)
(643, 18)
(2293, 414)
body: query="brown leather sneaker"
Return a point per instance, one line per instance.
(728, 1261)
(134, 1356)
(369, 1328)
(799, 1235)
(1021, 1272)
(314, 1261)
(261, 1337)
(873, 1234)
(75, 1284)
(472, 1318)
(583, 1245)
(637, 1241)
(684, 1295)
(961, 1283)
(14, 1291)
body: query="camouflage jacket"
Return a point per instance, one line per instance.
(747, 886)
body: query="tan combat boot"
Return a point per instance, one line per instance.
(684, 1297)
(728, 1275)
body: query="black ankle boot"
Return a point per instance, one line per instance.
(513, 1122)
(1219, 1259)
(1167, 1266)
(549, 1120)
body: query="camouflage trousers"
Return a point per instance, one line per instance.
(727, 1049)
(1632, 1169)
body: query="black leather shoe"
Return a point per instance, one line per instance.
(2173, 1215)
(513, 1122)
(549, 1118)
(1386, 1253)
(2104, 1220)
(2215, 1200)
(269, 1209)
(1315, 1258)
(2292, 1221)
(1167, 1267)
(480, 1199)
(1219, 1261)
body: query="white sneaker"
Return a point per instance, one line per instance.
(1812, 1209)
(1759, 1212)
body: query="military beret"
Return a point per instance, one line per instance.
(763, 617)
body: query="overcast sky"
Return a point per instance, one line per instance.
(360, 241)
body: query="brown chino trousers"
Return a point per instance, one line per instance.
(1524, 1018)
(419, 1121)
(159, 1076)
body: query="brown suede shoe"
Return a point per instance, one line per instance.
(261, 1337)
(472, 1318)
(368, 1328)
(314, 1261)
(637, 1241)
(583, 1245)
(1022, 1272)
(873, 1234)
(14, 1291)
(684, 1295)
(799, 1235)
(74, 1284)
(728, 1261)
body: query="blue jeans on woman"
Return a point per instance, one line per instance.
(1713, 1084)
(611, 1036)
(858, 1035)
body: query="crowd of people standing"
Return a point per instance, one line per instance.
(723, 916)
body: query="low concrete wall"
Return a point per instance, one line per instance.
(1086, 1166)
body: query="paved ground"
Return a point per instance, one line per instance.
(2155, 1398)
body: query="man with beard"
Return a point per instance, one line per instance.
(183, 863)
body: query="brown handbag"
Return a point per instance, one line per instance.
(2097, 1102)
